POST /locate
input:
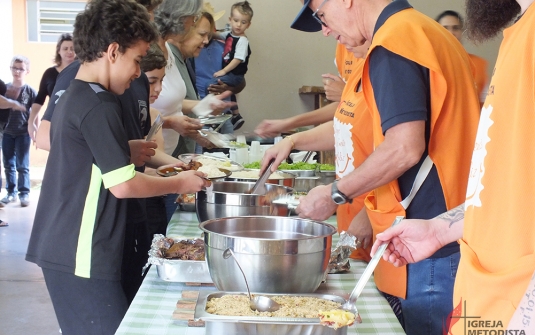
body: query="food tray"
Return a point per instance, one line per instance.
(234, 166)
(235, 325)
(168, 172)
(184, 271)
(214, 119)
(186, 206)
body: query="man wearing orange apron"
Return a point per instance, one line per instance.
(419, 87)
(495, 286)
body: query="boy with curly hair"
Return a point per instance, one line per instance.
(78, 232)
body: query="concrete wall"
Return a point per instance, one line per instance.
(282, 59)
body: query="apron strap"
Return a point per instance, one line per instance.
(418, 181)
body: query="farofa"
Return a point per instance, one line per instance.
(291, 306)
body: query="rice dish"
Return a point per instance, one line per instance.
(212, 171)
(291, 306)
(205, 161)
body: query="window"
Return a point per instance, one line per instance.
(47, 20)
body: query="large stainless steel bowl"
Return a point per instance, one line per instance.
(277, 254)
(230, 198)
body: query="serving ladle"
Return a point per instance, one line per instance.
(259, 303)
(350, 304)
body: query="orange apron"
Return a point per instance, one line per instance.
(347, 64)
(454, 117)
(353, 144)
(480, 76)
(498, 246)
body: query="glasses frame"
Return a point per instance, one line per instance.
(316, 16)
(17, 69)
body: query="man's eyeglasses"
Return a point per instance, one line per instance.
(317, 17)
(17, 69)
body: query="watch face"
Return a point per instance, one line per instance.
(338, 198)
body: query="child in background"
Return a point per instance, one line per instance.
(16, 140)
(236, 52)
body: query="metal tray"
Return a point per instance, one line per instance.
(234, 166)
(214, 119)
(184, 271)
(235, 325)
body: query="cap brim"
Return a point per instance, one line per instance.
(304, 20)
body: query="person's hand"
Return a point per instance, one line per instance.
(183, 125)
(222, 104)
(409, 242)
(334, 86)
(191, 181)
(271, 128)
(32, 130)
(218, 88)
(220, 73)
(361, 228)
(141, 151)
(317, 204)
(203, 141)
(279, 152)
(18, 106)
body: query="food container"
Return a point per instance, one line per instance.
(184, 271)
(280, 178)
(301, 173)
(277, 254)
(305, 184)
(176, 270)
(186, 202)
(238, 325)
(326, 177)
(230, 198)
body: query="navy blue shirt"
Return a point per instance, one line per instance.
(402, 93)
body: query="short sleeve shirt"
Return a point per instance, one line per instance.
(79, 225)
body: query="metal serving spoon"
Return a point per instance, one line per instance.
(258, 303)
(350, 304)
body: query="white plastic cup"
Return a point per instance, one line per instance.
(242, 155)
(232, 154)
(255, 148)
(277, 139)
(241, 139)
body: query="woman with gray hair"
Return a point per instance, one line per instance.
(174, 19)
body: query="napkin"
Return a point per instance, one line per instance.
(203, 108)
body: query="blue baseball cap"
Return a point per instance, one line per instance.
(304, 20)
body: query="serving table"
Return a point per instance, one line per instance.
(153, 306)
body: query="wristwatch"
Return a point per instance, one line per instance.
(338, 197)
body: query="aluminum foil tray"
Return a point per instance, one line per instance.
(237, 325)
(184, 271)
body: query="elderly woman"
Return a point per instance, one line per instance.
(174, 20)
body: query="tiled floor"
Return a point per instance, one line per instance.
(25, 306)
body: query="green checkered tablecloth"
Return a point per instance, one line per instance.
(151, 310)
